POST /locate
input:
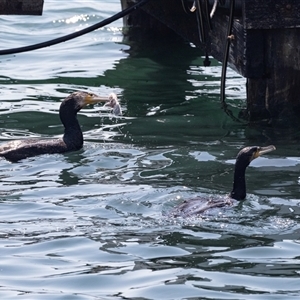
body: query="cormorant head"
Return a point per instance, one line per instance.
(78, 100)
(81, 99)
(244, 158)
(247, 154)
(75, 102)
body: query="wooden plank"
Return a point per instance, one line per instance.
(271, 14)
(21, 7)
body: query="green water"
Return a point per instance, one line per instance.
(93, 224)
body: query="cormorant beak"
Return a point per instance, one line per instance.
(263, 150)
(92, 99)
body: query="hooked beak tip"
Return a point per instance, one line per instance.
(267, 149)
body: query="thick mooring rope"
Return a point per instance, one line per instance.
(229, 38)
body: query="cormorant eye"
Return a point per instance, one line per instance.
(254, 150)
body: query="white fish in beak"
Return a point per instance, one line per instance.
(114, 104)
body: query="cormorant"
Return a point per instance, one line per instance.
(199, 205)
(72, 139)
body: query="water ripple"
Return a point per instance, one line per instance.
(95, 223)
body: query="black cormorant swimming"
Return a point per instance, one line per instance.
(198, 205)
(71, 140)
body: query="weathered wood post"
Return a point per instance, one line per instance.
(21, 7)
(273, 91)
(265, 48)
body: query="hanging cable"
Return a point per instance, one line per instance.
(229, 38)
(206, 61)
(197, 6)
(208, 19)
(200, 21)
(74, 35)
(214, 8)
(185, 7)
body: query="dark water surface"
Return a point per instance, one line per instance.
(94, 224)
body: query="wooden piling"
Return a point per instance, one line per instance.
(21, 7)
(265, 48)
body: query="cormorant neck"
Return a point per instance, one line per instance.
(73, 137)
(239, 182)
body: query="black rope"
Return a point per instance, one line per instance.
(74, 35)
(213, 10)
(185, 7)
(208, 15)
(229, 37)
(200, 21)
(206, 61)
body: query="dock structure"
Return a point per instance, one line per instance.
(264, 44)
(21, 7)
